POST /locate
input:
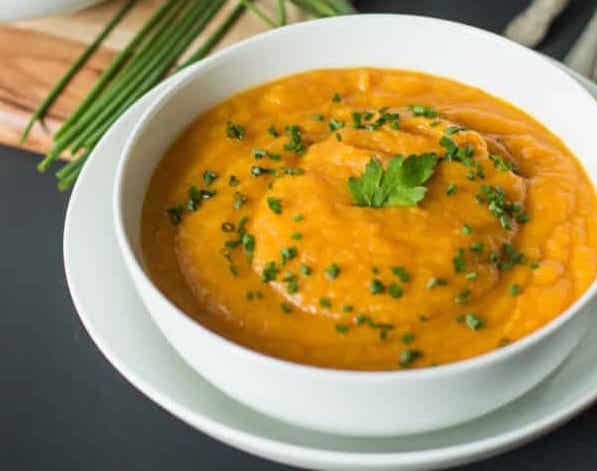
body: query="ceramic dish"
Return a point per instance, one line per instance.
(377, 403)
(13, 10)
(116, 320)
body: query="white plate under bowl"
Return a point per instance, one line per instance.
(123, 330)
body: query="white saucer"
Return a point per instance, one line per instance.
(123, 330)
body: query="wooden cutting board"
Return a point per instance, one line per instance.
(35, 54)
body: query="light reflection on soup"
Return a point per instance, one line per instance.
(370, 219)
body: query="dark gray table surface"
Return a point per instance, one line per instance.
(62, 406)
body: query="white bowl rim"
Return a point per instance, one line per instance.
(479, 361)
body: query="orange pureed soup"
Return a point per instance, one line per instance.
(370, 219)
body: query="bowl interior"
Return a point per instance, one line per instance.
(443, 48)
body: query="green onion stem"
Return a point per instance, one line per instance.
(109, 101)
(66, 78)
(259, 13)
(114, 67)
(343, 7)
(307, 8)
(215, 37)
(155, 70)
(71, 178)
(156, 73)
(70, 167)
(131, 71)
(282, 12)
(316, 7)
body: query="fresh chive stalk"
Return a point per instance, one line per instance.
(315, 7)
(259, 13)
(215, 37)
(66, 78)
(109, 102)
(157, 70)
(282, 12)
(342, 7)
(114, 67)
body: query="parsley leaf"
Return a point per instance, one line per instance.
(399, 185)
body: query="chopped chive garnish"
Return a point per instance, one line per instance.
(258, 171)
(272, 131)
(336, 98)
(233, 181)
(451, 189)
(325, 302)
(471, 275)
(296, 236)
(472, 321)
(235, 131)
(287, 253)
(515, 289)
(341, 328)
(286, 308)
(356, 120)
(407, 338)
(175, 213)
(422, 110)
(275, 204)
(292, 287)
(228, 227)
(453, 130)
(347, 308)
(332, 271)
(433, 282)
(339, 137)
(477, 247)
(534, 265)
(334, 124)
(270, 272)
(463, 297)
(249, 295)
(239, 200)
(375, 270)
(401, 273)
(209, 177)
(466, 229)
(459, 262)
(296, 143)
(501, 164)
(317, 117)
(409, 356)
(494, 257)
(376, 287)
(248, 241)
(306, 270)
(298, 217)
(522, 218)
(395, 290)
(259, 153)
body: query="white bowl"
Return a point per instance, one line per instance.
(349, 402)
(13, 10)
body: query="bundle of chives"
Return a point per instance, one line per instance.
(215, 37)
(114, 67)
(142, 64)
(66, 78)
(170, 50)
(129, 79)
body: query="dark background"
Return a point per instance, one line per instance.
(62, 406)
